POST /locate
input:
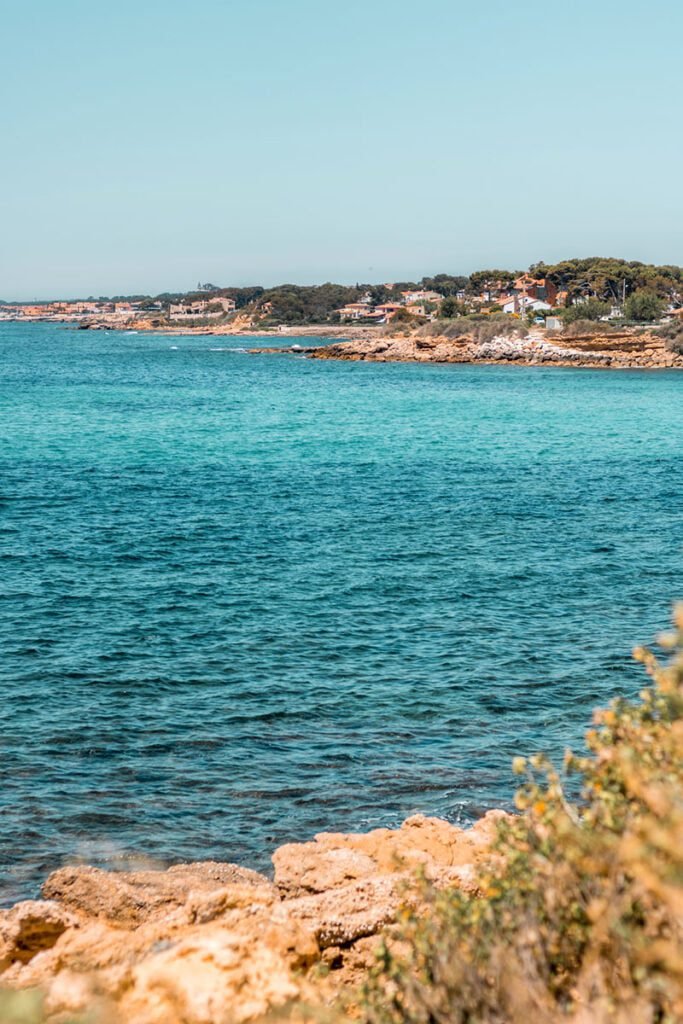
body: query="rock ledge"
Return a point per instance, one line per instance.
(205, 943)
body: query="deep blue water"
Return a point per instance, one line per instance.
(245, 598)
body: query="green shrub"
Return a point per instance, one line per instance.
(592, 309)
(575, 328)
(480, 327)
(644, 306)
(673, 336)
(581, 916)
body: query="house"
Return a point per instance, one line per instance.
(523, 304)
(354, 311)
(389, 309)
(421, 296)
(202, 309)
(541, 288)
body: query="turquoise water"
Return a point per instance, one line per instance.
(246, 598)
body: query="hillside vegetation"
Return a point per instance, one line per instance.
(599, 279)
(605, 282)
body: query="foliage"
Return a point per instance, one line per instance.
(497, 325)
(404, 322)
(610, 280)
(673, 335)
(591, 309)
(577, 328)
(580, 912)
(479, 327)
(644, 305)
(483, 280)
(444, 284)
(450, 308)
(294, 304)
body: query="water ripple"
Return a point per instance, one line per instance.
(245, 600)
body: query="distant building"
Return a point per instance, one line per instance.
(388, 310)
(541, 289)
(354, 311)
(203, 309)
(523, 304)
(421, 296)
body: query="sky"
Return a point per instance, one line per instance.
(151, 144)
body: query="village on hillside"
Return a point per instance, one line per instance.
(598, 288)
(525, 295)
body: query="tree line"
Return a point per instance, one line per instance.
(594, 286)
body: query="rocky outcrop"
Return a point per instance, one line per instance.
(204, 943)
(444, 852)
(616, 349)
(131, 898)
(29, 928)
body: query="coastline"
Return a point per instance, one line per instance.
(156, 945)
(621, 350)
(625, 349)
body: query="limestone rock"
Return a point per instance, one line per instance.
(30, 927)
(351, 912)
(335, 859)
(209, 943)
(132, 897)
(221, 975)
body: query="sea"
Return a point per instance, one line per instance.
(247, 597)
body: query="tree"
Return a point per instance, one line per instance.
(592, 309)
(644, 305)
(450, 308)
(444, 284)
(612, 280)
(484, 280)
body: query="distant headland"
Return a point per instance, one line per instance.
(595, 311)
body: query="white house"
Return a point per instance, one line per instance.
(523, 304)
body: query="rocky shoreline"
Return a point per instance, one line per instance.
(240, 328)
(617, 350)
(628, 348)
(207, 942)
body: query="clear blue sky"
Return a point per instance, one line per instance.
(147, 145)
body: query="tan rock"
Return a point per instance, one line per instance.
(132, 897)
(206, 943)
(351, 912)
(29, 928)
(220, 974)
(335, 859)
(234, 968)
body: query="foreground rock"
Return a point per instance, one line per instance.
(132, 898)
(446, 854)
(205, 943)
